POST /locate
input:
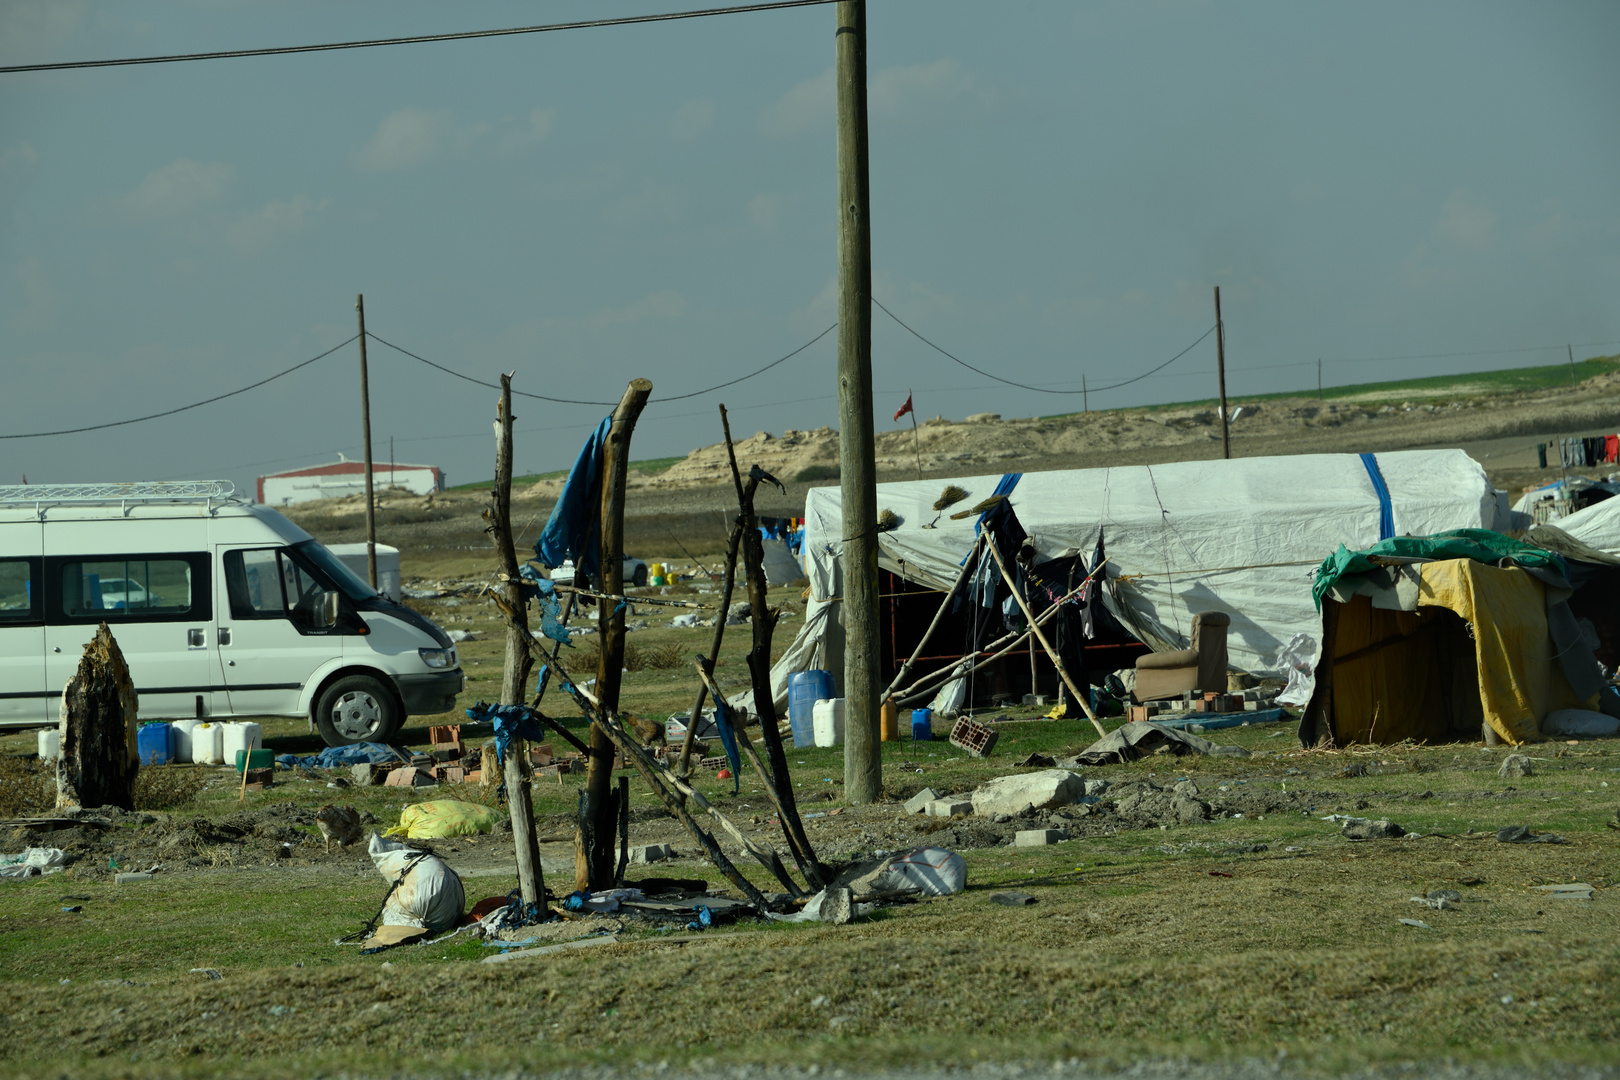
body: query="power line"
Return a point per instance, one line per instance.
(571, 401)
(1428, 356)
(466, 35)
(183, 408)
(1041, 389)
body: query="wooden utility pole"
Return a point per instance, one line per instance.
(863, 764)
(1318, 378)
(365, 429)
(1570, 349)
(1085, 394)
(916, 436)
(515, 675)
(1220, 367)
(598, 810)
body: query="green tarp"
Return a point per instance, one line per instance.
(1481, 545)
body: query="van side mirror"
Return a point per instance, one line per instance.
(326, 610)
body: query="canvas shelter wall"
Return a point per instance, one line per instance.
(1596, 526)
(1238, 536)
(1433, 681)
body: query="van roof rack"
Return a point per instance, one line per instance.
(125, 495)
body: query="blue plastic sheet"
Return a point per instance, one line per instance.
(728, 739)
(550, 604)
(337, 757)
(511, 721)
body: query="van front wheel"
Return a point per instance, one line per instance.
(357, 708)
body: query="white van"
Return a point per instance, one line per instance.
(221, 608)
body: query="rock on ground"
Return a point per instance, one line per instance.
(1031, 791)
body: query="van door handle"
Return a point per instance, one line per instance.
(224, 635)
(194, 638)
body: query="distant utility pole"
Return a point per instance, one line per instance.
(1220, 367)
(863, 762)
(1085, 395)
(365, 428)
(1571, 350)
(1318, 378)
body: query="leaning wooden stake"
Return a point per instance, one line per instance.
(763, 620)
(1035, 629)
(962, 575)
(595, 869)
(515, 674)
(683, 769)
(98, 758)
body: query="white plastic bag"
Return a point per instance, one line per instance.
(33, 862)
(431, 895)
(929, 871)
(1579, 722)
(1298, 660)
(948, 702)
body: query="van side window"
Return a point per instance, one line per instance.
(253, 583)
(19, 591)
(124, 586)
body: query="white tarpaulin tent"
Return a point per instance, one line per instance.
(1239, 536)
(1597, 526)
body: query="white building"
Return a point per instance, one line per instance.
(345, 477)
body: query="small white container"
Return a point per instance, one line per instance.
(827, 721)
(182, 739)
(50, 744)
(239, 735)
(208, 744)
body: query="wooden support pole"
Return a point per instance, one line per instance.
(916, 436)
(863, 762)
(365, 430)
(515, 673)
(1220, 367)
(624, 831)
(950, 594)
(597, 873)
(683, 770)
(1035, 629)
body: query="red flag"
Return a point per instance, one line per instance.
(904, 408)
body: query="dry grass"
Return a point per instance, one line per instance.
(166, 787)
(27, 786)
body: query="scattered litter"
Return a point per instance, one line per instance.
(31, 862)
(831, 905)
(1012, 899)
(546, 950)
(212, 973)
(1361, 829)
(1419, 923)
(930, 871)
(1576, 890)
(1439, 903)
(1036, 761)
(1521, 834)
(445, 818)
(132, 879)
(74, 910)
(341, 757)
(1141, 737)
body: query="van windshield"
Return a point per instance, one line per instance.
(349, 583)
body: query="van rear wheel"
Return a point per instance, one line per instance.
(357, 708)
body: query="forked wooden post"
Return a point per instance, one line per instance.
(1035, 629)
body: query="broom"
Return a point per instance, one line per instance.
(977, 508)
(949, 497)
(887, 520)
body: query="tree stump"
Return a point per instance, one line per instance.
(99, 757)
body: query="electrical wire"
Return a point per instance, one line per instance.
(183, 408)
(570, 401)
(1041, 389)
(466, 35)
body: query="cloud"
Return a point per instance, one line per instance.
(528, 133)
(17, 158)
(179, 188)
(691, 120)
(807, 107)
(653, 202)
(897, 93)
(765, 211)
(408, 138)
(666, 304)
(271, 222)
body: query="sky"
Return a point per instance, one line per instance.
(1057, 187)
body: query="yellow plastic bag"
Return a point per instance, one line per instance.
(445, 817)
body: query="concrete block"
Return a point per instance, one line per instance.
(1038, 837)
(950, 807)
(650, 853)
(1038, 790)
(362, 775)
(918, 803)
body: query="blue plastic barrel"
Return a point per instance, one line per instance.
(922, 725)
(155, 744)
(805, 688)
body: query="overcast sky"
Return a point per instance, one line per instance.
(1056, 188)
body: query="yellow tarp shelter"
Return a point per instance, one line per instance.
(1435, 650)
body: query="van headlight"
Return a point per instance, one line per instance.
(438, 658)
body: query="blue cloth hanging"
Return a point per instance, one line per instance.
(511, 722)
(1386, 512)
(728, 739)
(576, 521)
